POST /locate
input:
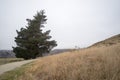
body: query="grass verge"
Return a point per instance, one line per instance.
(14, 74)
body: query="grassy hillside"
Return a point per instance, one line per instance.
(90, 64)
(94, 63)
(108, 42)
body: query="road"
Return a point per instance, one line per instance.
(13, 65)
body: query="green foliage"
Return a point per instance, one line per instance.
(31, 41)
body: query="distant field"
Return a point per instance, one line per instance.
(94, 63)
(8, 60)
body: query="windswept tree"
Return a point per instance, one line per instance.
(32, 41)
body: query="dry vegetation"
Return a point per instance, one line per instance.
(9, 60)
(101, 63)
(108, 42)
(94, 63)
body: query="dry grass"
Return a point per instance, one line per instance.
(9, 60)
(108, 42)
(94, 63)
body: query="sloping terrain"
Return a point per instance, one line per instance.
(90, 64)
(108, 42)
(93, 63)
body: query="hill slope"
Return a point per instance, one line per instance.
(107, 42)
(94, 63)
(90, 64)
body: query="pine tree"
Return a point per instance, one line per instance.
(31, 41)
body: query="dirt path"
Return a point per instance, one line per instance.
(13, 65)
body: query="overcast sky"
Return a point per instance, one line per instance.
(72, 22)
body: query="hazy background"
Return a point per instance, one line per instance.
(72, 22)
